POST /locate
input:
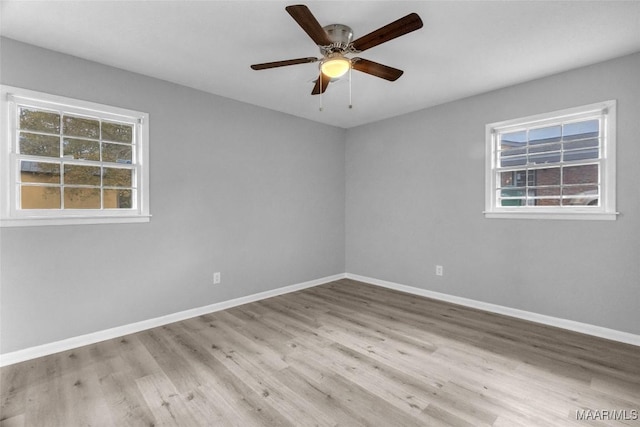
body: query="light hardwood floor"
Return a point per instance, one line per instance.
(344, 353)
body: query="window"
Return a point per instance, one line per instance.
(66, 161)
(559, 165)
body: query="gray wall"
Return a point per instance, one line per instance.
(415, 196)
(260, 196)
(254, 194)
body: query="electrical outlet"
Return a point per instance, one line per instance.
(439, 270)
(216, 278)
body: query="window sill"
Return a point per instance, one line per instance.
(73, 220)
(607, 216)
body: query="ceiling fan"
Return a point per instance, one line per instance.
(336, 42)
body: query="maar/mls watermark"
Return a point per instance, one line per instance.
(607, 414)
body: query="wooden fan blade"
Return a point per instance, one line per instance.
(375, 69)
(398, 28)
(275, 64)
(303, 16)
(321, 84)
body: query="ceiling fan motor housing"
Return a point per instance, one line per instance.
(341, 37)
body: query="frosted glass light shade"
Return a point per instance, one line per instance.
(335, 67)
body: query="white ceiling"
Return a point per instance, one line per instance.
(464, 48)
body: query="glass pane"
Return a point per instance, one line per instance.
(581, 130)
(545, 135)
(39, 145)
(82, 175)
(513, 152)
(580, 190)
(520, 178)
(81, 149)
(507, 161)
(512, 197)
(513, 140)
(117, 153)
(589, 153)
(546, 148)
(117, 177)
(117, 199)
(512, 202)
(507, 179)
(78, 126)
(117, 132)
(547, 202)
(582, 143)
(581, 195)
(39, 121)
(48, 173)
(544, 191)
(81, 198)
(549, 176)
(541, 158)
(528, 177)
(39, 197)
(585, 174)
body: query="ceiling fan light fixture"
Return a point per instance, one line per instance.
(335, 66)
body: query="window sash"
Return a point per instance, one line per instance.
(62, 185)
(563, 187)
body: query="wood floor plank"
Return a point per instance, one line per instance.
(210, 371)
(622, 389)
(267, 384)
(17, 421)
(397, 388)
(125, 401)
(13, 386)
(340, 354)
(164, 401)
(359, 402)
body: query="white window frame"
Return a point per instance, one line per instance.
(606, 111)
(11, 215)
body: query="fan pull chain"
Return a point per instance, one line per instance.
(350, 103)
(320, 81)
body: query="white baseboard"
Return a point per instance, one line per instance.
(584, 328)
(92, 338)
